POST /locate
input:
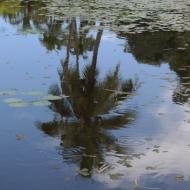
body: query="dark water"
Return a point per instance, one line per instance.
(118, 114)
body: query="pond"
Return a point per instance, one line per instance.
(95, 95)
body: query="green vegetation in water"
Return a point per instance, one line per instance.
(17, 102)
(41, 103)
(119, 15)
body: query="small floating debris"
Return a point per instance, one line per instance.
(66, 178)
(182, 69)
(181, 48)
(187, 90)
(185, 83)
(103, 167)
(130, 141)
(188, 120)
(138, 156)
(20, 137)
(179, 177)
(130, 118)
(185, 95)
(185, 77)
(56, 167)
(161, 113)
(116, 176)
(148, 139)
(88, 155)
(125, 162)
(156, 146)
(84, 172)
(150, 168)
(156, 150)
(117, 91)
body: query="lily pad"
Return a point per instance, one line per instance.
(52, 97)
(15, 102)
(41, 103)
(18, 104)
(12, 100)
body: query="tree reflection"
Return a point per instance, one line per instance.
(84, 120)
(165, 47)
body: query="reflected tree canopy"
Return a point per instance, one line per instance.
(84, 119)
(55, 31)
(100, 126)
(165, 47)
(85, 136)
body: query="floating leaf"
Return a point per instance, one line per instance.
(18, 104)
(15, 102)
(41, 103)
(52, 97)
(12, 100)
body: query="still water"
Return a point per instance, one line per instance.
(94, 95)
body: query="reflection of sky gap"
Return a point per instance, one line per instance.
(170, 135)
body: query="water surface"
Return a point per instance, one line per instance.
(94, 95)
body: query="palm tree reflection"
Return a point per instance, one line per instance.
(91, 111)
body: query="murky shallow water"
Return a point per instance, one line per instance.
(118, 116)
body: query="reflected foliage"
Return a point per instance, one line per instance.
(84, 120)
(165, 47)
